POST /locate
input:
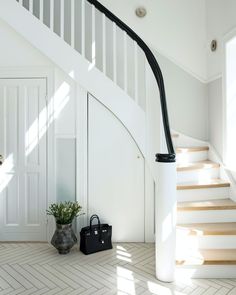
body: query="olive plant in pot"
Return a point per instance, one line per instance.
(64, 237)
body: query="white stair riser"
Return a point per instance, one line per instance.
(206, 272)
(217, 242)
(206, 216)
(195, 242)
(197, 175)
(191, 157)
(190, 195)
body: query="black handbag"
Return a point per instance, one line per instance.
(94, 238)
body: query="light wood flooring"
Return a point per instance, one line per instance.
(126, 269)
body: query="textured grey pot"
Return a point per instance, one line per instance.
(64, 238)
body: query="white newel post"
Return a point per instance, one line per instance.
(165, 220)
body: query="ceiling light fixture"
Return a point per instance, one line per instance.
(141, 11)
(213, 45)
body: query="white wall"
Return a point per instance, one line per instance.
(176, 29)
(16, 52)
(186, 99)
(216, 115)
(220, 21)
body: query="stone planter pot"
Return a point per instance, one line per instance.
(64, 238)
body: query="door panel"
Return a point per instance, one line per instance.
(23, 124)
(116, 175)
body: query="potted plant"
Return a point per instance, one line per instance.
(64, 237)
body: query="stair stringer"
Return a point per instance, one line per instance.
(78, 68)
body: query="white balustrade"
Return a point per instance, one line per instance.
(72, 24)
(125, 62)
(104, 50)
(121, 50)
(31, 6)
(62, 19)
(83, 28)
(41, 10)
(136, 69)
(93, 37)
(114, 47)
(52, 15)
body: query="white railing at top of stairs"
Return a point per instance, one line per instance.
(97, 39)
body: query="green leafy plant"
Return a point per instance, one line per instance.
(64, 212)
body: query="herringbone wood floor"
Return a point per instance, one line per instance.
(126, 269)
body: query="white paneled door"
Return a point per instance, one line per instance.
(116, 175)
(23, 128)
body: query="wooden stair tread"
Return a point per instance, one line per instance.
(191, 149)
(208, 257)
(207, 164)
(223, 204)
(211, 183)
(209, 229)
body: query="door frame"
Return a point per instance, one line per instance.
(229, 36)
(48, 74)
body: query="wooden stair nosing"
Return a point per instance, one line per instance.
(209, 229)
(192, 149)
(198, 166)
(210, 257)
(213, 183)
(223, 204)
(208, 262)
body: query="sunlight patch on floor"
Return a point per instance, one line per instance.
(125, 281)
(158, 289)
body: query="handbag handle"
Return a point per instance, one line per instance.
(94, 216)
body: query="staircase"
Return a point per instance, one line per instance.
(109, 61)
(95, 46)
(206, 230)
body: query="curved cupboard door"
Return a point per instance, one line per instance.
(115, 175)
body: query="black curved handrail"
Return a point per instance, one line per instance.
(170, 157)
